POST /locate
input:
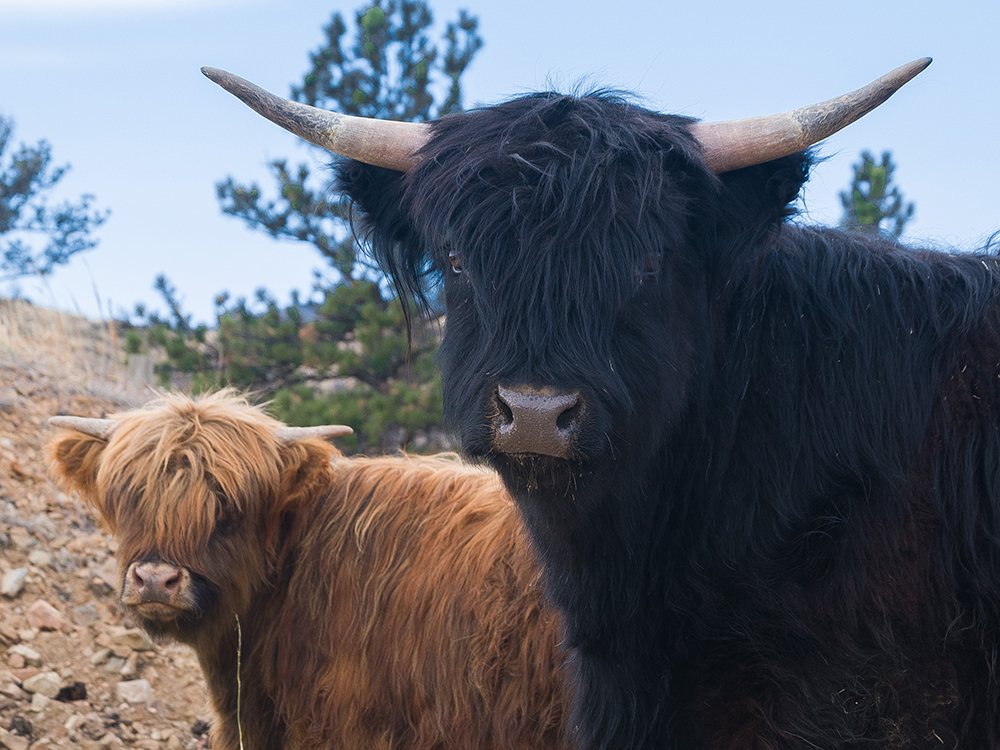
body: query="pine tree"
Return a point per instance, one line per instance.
(34, 236)
(873, 198)
(345, 356)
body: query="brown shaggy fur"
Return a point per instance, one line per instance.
(384, 602)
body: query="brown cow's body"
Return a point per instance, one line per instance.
(383, 602)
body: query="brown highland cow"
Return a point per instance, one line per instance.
(382, 602)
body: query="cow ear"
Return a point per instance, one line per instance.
(74, 458)
(305, 473)
(758, 198)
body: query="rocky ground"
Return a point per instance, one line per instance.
(72, 673)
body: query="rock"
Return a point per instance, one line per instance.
(121, 651)
(67, 561)
(12, 741)
(44, 616)
(41, 522)
(85, 614)
(74, 721)
(24, 674)
(46, 683)
(31, 657)
(39, 702)
(148, 744)
(337, 385)
(173, 743)
(14, 692)
(107, 571)
(12, 583)
(135, 691)
(99, 588)
(93, 728)
(135, 639)
(76, 691)
(100, 657)
(16, 661)
(21, 538)
(27, 634)
(55, 732)
(21, 726)
(114, 664)
(40, 558)
(131, 668)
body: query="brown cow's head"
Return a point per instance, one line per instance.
(196, 492)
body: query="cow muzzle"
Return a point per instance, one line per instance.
(543, 421)
(156, 590)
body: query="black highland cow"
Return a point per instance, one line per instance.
(761, 461)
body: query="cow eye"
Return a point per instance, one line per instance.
(456, 262)
(224, 520)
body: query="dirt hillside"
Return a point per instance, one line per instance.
(72, 674)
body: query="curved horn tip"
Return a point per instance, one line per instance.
(98, 428)
(229, 81)
(222, 77)
(905, 73)
(743, 143)
(288, 434)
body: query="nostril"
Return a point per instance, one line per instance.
(569, 416)
(172, 581)
(506, 415)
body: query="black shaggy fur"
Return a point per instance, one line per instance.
(781, 524)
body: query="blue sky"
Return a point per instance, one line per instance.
(115, 87)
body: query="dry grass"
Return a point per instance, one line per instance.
(84, 354)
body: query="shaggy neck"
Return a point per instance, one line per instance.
(244, 708)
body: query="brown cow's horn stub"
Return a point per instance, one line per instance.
(743, 143)
(98, 428)
(326, 432)
(382, 143)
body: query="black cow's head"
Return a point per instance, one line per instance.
(574, 238)
(582, 242)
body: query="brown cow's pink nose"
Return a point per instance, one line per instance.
(155, 582)
(537, 420)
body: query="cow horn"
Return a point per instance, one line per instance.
(383, 143)
(98, 428)
(326, 432)
(743, 143)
